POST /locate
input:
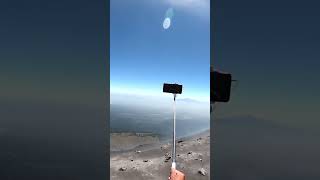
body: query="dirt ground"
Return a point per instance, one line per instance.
(144, 163)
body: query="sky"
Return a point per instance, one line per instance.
(271, 48)
(144, 55)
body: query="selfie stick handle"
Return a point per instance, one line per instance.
(174, 134)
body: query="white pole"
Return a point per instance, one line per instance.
(174, 133)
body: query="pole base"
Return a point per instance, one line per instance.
(173, 166)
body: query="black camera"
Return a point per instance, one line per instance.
(172, 88)
(220, 86)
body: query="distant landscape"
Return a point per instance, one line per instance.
(154, 115)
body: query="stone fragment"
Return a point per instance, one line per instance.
(202, 171)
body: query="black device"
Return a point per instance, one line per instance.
(220, 86)
(172, 88)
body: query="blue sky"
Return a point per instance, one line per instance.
(143, 55)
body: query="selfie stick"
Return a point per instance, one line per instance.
(174, 89)
(174, 133)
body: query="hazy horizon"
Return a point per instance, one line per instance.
(154, 114)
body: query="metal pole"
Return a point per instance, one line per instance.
(174, 133)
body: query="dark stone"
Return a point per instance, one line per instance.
(122, 169)
(202, 171)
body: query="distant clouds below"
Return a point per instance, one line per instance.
(191, 96)
(154, 114)
(165, 101)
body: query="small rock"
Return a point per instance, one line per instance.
(167, 158)
(138, 151)
(167, 155)
(178, 155)
(145, 160)
(189, 152)
(131, 159)
(180, 141)
(202, 171)
(122, 169)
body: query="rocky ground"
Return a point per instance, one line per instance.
(154, 162)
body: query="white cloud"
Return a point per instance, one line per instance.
(199, 7)
(156, 93)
